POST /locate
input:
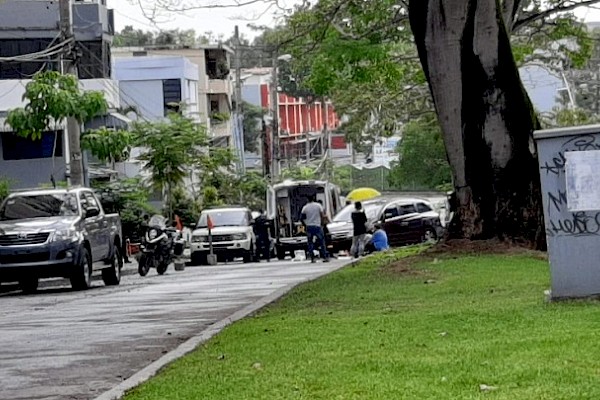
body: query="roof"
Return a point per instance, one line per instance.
(39, 192)
(290, 182)
(226, 208)
(213, 46)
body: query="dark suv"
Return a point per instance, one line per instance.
(405, 220)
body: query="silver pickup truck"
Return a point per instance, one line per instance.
(58, 233)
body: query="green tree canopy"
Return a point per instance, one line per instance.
(53, 97)
(422, 163)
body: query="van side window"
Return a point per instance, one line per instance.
(334, 203)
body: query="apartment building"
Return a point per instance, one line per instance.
(215, 86)
(32, 26)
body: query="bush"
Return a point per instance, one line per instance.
(4, 188)
(128, 198)
(185, 207)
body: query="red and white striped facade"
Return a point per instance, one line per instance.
(299, 116)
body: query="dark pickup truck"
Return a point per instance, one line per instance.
(58, 233)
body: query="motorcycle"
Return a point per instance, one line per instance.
(160, 246)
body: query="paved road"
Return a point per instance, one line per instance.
(60, 344)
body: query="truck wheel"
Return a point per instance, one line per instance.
(81, 278)
(249, 255)
(112, 274)
(162, 268)
(199, 259)
(143, 265)
(29, 285)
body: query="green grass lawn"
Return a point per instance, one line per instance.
(432, 328)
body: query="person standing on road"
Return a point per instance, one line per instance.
(359, 222)
(313, 217)
(263, 240)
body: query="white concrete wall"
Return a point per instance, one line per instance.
(146, 96)
(11, 91)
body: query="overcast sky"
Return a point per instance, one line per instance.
(223, 21)
(218, 21)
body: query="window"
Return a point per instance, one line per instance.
(224, 218)
(39, 206)
(83, 201)
(407, 209)
(422, 208)
(214, 106)
(91, 200)
(391, 212)
(15, 147)
(172, 95)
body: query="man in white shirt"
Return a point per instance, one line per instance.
(312, 217)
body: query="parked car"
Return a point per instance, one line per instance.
(405, 220)
(232, 235)
(58, 233)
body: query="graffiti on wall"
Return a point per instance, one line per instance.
(560, 220)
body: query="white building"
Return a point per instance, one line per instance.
(215, 86)
(155, 85)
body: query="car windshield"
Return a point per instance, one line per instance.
(371, 209)
(39, 206)
(224, 218)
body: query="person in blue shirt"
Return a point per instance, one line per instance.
(379, 241)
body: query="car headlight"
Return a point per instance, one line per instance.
(239, 236)
(66, 234)
(152, 234)
(199, 239)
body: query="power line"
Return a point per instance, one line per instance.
(43, 54)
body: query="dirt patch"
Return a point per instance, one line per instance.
(459, 248)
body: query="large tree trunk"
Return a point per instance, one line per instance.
(486, 117)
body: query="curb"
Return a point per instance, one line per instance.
(191, 344)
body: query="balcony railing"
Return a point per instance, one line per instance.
(219, 86)
(220, 128)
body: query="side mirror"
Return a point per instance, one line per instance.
(92, 212)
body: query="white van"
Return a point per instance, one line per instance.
(284, 205)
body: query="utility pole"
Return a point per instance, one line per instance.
(326, 136)
(238, 100)
(264, 149)
(307, 133)
(275, 123)
(68, 66)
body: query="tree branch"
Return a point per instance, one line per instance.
(563, 7)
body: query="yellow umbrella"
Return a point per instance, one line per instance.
(362, 194)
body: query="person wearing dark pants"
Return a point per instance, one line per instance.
(359, 221)
(312, 218)
(263, 240)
